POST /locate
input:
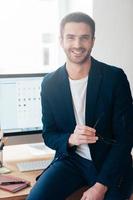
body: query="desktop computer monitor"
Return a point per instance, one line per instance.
(20, 105)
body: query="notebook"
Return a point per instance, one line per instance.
(12, 183)
(4, 170)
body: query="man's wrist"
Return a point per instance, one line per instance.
(101, 188)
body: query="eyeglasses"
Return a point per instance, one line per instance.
(105, 140)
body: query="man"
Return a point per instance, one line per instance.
(87, 118)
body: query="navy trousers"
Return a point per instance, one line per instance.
(65, 176)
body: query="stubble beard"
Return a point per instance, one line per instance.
(76, 60)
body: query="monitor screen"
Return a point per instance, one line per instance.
(20, 105)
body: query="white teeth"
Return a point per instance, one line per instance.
(77, 52)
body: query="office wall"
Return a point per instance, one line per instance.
(114, 33)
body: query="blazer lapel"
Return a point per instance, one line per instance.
(66, 99)
(93, 89)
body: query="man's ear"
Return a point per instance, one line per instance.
(93, 41)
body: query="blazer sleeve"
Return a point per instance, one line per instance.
(53, 138)
(119, 155)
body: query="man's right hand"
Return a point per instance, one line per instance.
(82, 135)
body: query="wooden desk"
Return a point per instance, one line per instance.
(16, 153)
(12, 155)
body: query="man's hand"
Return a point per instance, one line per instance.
(83, 135)
(96, 192)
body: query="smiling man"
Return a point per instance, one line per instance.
(77, 41)
(87, 118)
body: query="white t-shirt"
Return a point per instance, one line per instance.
(78, 91)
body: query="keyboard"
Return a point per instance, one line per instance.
(33, 165)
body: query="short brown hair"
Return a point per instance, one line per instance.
(77, 17)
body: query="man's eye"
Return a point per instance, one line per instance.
(85, 37)
(70, 38)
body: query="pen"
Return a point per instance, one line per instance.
(11, 182)
(95, 125)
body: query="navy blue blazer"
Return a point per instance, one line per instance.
(109, 100)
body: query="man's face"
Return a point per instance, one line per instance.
(77, 42)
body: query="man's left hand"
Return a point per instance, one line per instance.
(96, 192)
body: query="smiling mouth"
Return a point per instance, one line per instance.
(78, 52)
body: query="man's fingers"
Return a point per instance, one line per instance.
(84, 132)
(85, 128)
(86, 140)
(86, 137)
(84, 197)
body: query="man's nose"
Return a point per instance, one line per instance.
(77, 43)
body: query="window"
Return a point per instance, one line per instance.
(27, 38)
(29, 34)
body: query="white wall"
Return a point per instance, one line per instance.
(81, 5)
(114, 34)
